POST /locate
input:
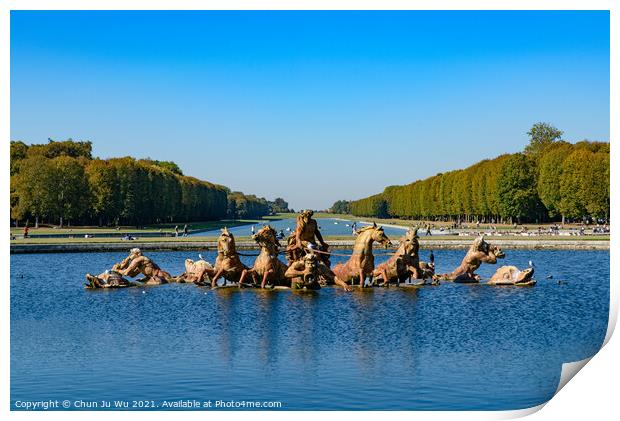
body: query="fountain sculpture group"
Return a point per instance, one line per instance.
(308, 264)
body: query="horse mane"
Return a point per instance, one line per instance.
(368, 228)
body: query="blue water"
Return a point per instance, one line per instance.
(454, 346)
(328, 226)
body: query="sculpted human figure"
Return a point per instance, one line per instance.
(136, 263)
(304, 273)
(227, 263)
(124, 264)
(511, 275)
(361, 264)
(267, 266)
(306, 236)
(108, 279)
(479, 252)
(196, 271)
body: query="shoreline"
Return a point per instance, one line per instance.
(425, 244)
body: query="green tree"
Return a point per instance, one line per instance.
(18, 153)
(541, 135)
(550, 168)
(69, 188)
(584, 187)
(169, 165)
(69, 148)
(32, 187)
(341, 206)
(516, 188)
(279, 205)
(104, 191)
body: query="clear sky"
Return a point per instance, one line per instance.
(309, 106)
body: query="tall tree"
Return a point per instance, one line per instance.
(33, 189)
(104, 191)
(541, 135)
(69, 189)
(516, 188)
(550, 168)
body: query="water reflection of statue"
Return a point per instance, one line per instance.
(305, 237)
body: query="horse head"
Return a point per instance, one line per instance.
(409, 242)
(375, 233)
(226, 242)
(266, 235)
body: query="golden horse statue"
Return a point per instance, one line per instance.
(267, 266)
(227, 262)
(361, 264)
(405, 264)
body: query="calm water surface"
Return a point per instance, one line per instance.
(449, 347)
(328, 226)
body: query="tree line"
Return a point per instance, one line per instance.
(244, 206)
(550, 181)
(60, 183)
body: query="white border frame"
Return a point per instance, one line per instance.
(593, 394)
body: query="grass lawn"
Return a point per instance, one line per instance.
(205, 225)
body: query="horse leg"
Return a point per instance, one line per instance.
(244, 273)
(265, 275)
(198, 277)
(362, 278)
(216, 277)
(342, 283)
(386, 280)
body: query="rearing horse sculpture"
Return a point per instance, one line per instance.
(405, 263)
(227, 263)
(361, 264)
(267, 265)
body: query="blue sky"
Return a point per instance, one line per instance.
(309, 106)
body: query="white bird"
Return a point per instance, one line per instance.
(531, 264)
(200, 256)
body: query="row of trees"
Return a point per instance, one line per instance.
(341, 206)
(244, 206)
(60, 182)
(551, 180)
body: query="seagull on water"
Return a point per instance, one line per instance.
(200, 256)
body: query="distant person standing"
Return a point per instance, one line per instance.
(185, 231)
(252, 229)
(176, 230)
(26, 230)
(428, 230)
